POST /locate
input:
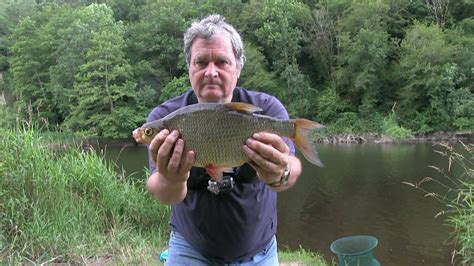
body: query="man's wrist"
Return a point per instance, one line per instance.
(283, 179)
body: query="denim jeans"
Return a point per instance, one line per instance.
(182, 253)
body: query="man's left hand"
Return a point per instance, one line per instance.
(269, 156)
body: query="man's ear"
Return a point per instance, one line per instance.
(239, 70)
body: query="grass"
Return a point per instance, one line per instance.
(456, 183)
(69, 206)
(302, 257)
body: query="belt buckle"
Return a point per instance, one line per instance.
(216, 187)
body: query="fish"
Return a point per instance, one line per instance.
(216, 133)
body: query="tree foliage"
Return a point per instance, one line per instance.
(104, 90)
(100, 68)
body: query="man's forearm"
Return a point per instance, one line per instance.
(166, 192)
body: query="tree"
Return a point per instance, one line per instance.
(431, 83)
(31, 58)
(320, 42)
(281, 38)
(280, 35)
(70, 36)
(104, 91)
(11, 13)
(255, 74)
(363, 45)
(439, 10)
(157, 41)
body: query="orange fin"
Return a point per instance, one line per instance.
(218, 172)
(243, 107)
(303, 141)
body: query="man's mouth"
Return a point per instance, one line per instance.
(211, 86)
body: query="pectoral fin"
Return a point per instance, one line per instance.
(216, 172)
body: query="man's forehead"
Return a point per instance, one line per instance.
(202, 48)
(213, 54)
(222, 41)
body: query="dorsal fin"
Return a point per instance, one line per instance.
(243, 107)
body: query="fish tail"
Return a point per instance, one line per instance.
(302, 139)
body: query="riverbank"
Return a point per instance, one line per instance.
(354, 138)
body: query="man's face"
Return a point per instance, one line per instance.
(213, 69)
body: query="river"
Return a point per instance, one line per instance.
(359, 191)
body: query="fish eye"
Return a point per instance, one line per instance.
(148, 131)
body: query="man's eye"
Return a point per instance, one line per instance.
(222, 63)
(200, 63)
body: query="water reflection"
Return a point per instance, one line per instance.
(358, 192)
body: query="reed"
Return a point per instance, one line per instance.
(70, 206)
(455, 189)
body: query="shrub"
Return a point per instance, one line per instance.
(391, 128)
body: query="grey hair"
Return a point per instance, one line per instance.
(207, 28)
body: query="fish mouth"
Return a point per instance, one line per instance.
(137, 135)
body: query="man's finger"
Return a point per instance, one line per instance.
(267, 151)
(187, 162)
(272, 139)
(260, 161)
(176, 156)
(166, 149)
(156, 143)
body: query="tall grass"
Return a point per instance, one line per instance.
(457, 185)
(69, 206)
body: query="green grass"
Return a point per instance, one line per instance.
(70, 206)
(302, 257)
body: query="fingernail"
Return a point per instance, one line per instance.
(256, 135)
(249, 141)
(175, 133)
(165, 132)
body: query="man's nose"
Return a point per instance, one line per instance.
(211, 70)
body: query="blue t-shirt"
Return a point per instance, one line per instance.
(230, 226)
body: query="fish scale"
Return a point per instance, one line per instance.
(218, 137)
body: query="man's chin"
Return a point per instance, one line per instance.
(211, 96)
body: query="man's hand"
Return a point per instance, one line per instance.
(269, 156)
(168, 182)
(167, 153)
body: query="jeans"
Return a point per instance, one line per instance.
(182, 253)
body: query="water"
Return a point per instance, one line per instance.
(358, 192)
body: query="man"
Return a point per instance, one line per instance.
(235, 224)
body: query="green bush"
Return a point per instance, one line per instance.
(347, 122)
(391, 128)
(68, 201)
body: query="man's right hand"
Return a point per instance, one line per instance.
(172, 167)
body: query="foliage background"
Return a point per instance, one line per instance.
(99, 67)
